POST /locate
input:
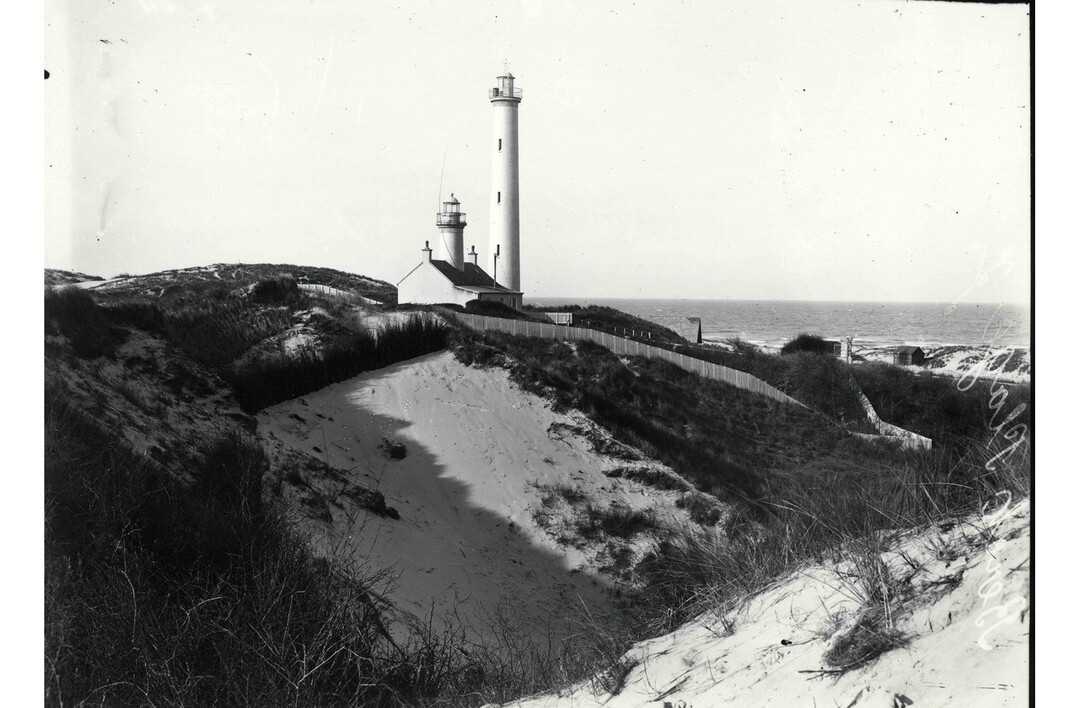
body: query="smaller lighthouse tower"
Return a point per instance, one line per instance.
(451, 223)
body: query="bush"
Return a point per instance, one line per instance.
(73, 313)
(472, 350)
(146, 315)
(616, 520)
(825, 383)
(810, 343)
(649, 476)
(498, 309)
(701, 509)
(278, 290)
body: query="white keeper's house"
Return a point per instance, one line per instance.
(459, 279)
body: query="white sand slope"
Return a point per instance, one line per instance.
(477, 451)
(1006, 364)
(966, 618)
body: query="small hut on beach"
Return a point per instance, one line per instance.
(909, 356)
(690, 329)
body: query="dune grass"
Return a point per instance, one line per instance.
(848, 519)
(218, 326)
(725, 441)
(802, 490)
(816, 379)
(265, 381)
(201, 594)
(225, 277)
(161, 593)
(943, 408)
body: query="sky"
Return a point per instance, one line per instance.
(812, 150)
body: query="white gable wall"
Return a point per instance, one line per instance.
(426, 285)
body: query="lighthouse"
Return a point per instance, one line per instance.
(505, 218)
(452, 278)
(451, 223)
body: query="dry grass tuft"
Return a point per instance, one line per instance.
(868, 638)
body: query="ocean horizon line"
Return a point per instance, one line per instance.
(527, 300)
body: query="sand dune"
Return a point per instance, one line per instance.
(966, 622)
(478, 454)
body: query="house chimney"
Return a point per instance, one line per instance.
(426, 250)
(472, 254)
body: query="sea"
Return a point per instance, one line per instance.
(772, 323)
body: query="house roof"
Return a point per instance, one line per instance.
(480, 289)
(471, 277)
(908, 349)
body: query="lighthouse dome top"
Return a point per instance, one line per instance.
(452, 199)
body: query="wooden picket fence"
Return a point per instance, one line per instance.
(717, 372)
(625, 347)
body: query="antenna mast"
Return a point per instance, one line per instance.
(441, 171)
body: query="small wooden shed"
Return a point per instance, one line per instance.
(909, 355)
(690, 329)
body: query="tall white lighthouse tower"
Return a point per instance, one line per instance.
(505, 220)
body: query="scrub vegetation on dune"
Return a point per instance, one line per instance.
(806, 342)
(168, 594)
(74, 314)
(214, 280)
(727, 442)
(186, 581)
(206, 592)
(55, 276)
(267, 381)
(803, 489)
(608, 319)
(204, 576)
(943, 408)
(804, 372)
(222, 327)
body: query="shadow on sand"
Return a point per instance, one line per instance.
(458, 556)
